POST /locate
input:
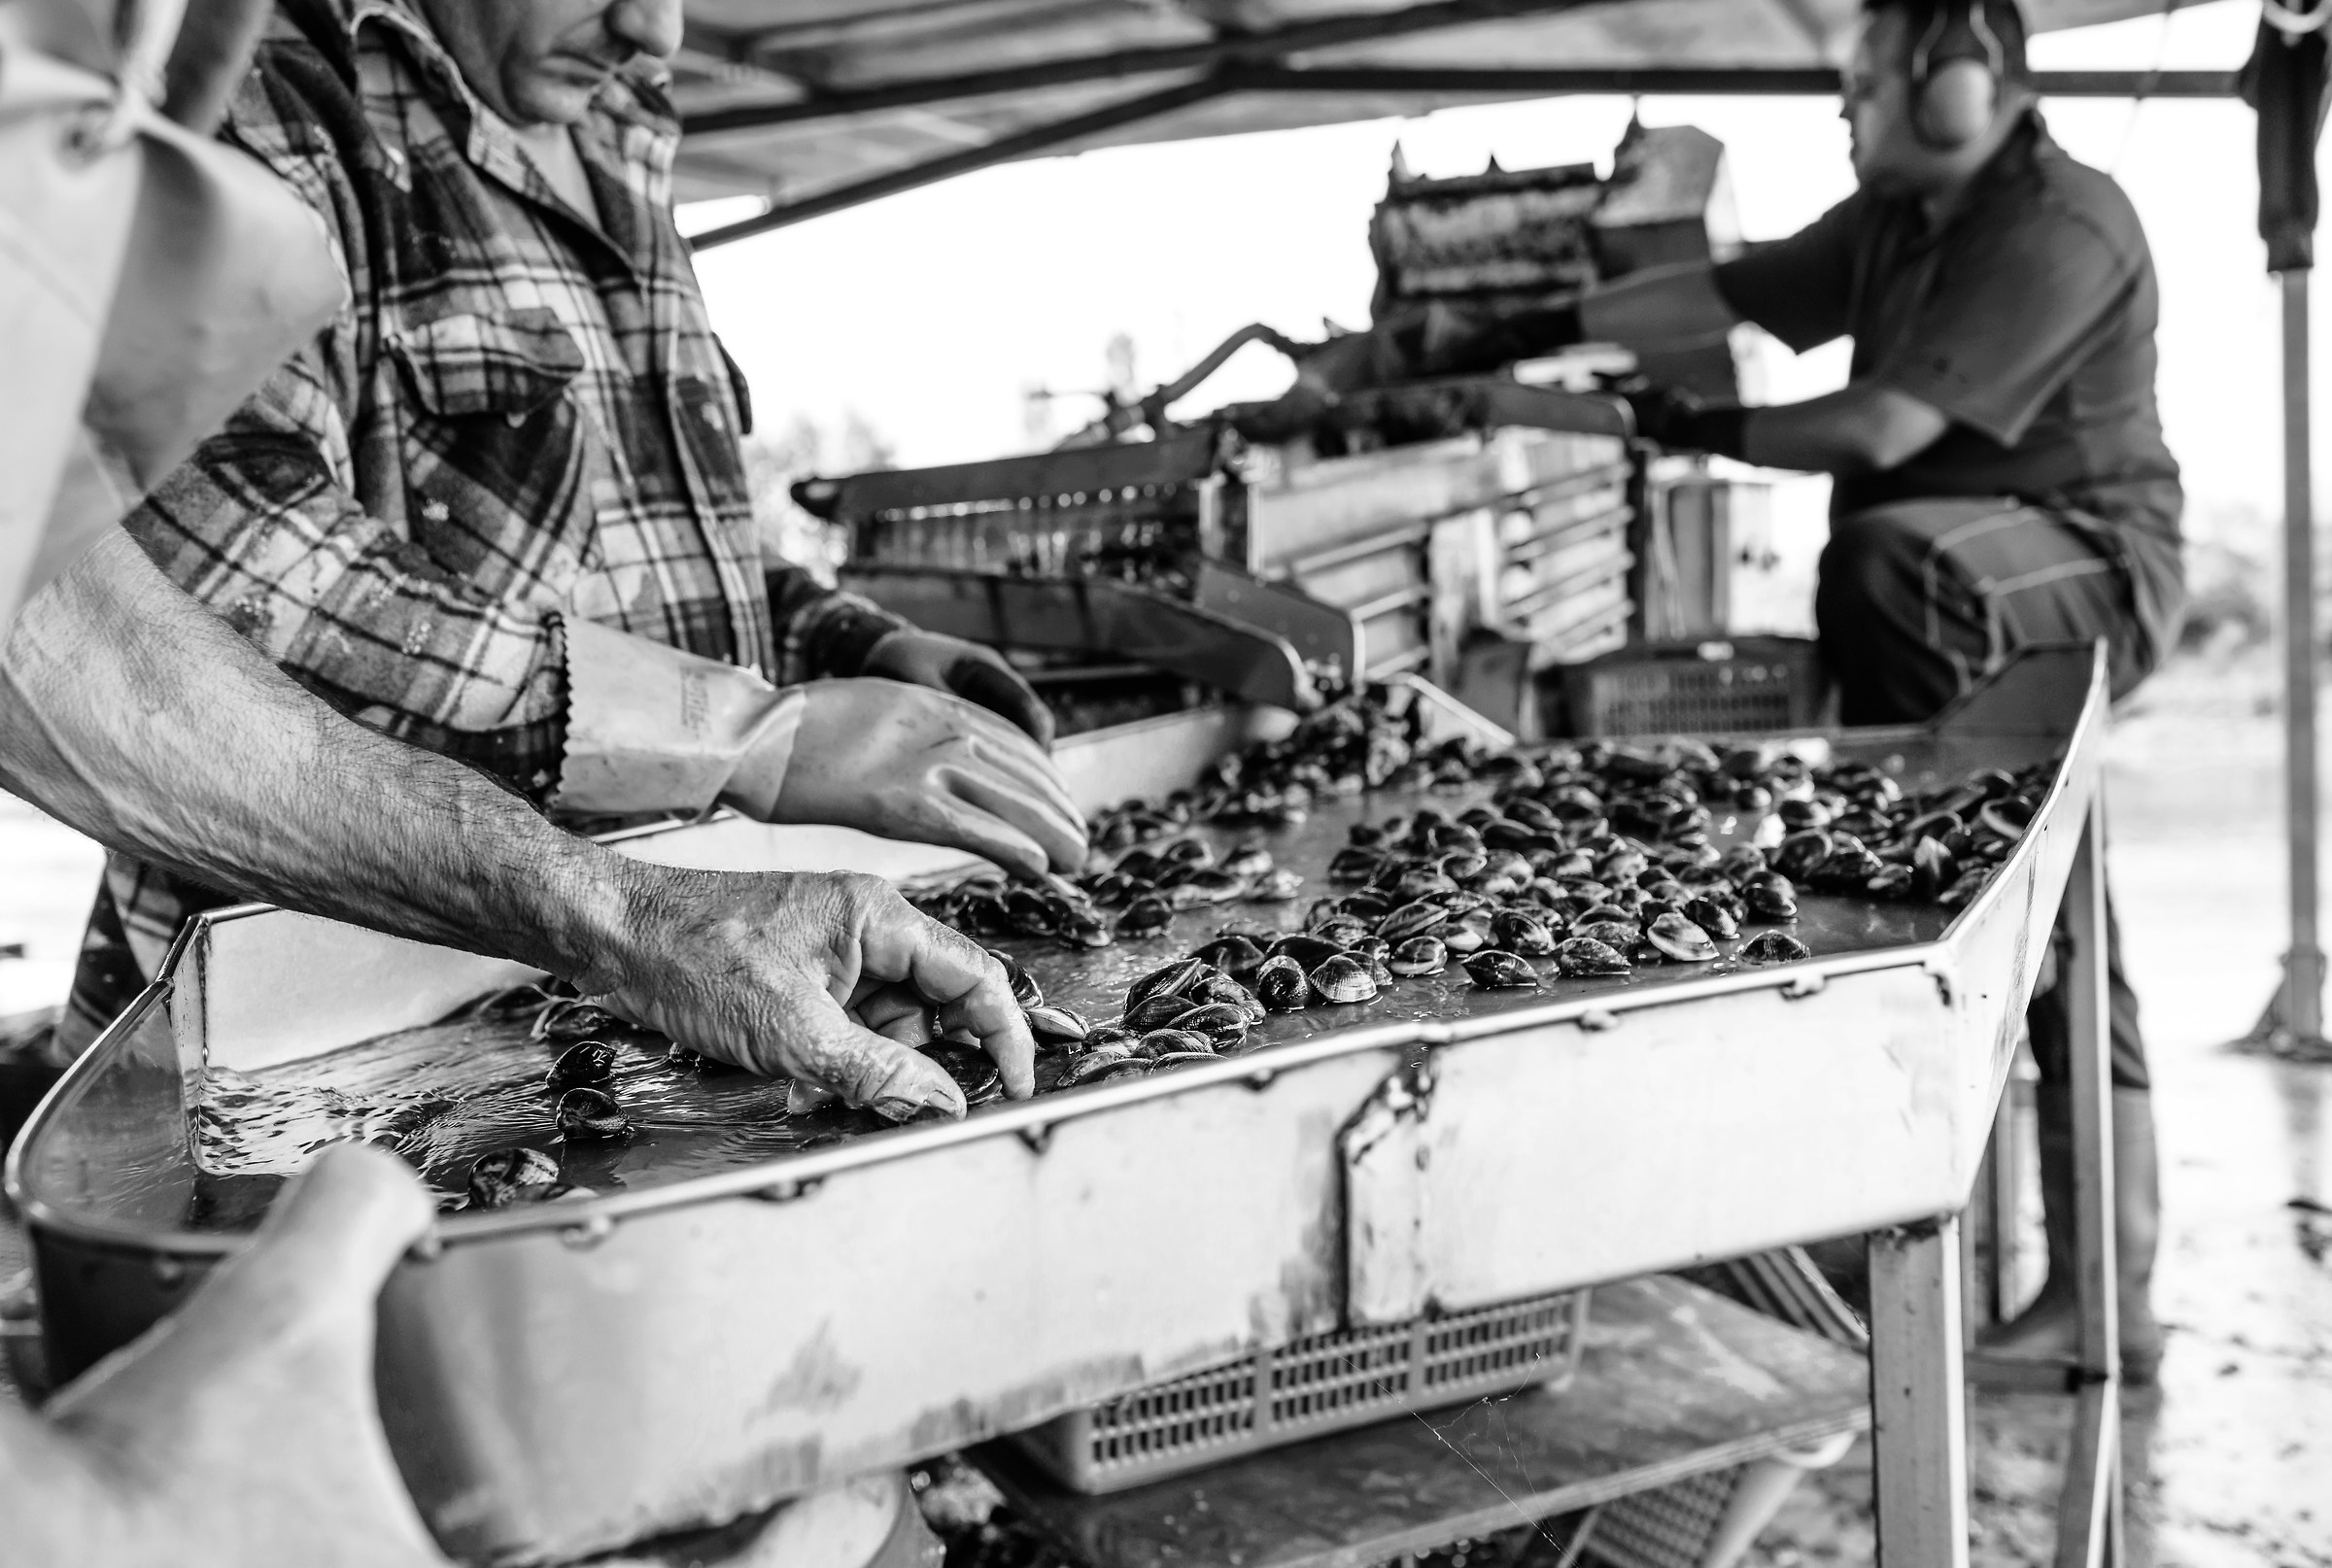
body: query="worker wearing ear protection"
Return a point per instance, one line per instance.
(2001, 474)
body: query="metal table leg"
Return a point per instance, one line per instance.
(2089, 1513)
(1918, 1396)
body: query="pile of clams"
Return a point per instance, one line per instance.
(1595, 859)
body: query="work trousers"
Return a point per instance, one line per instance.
(1919, 599)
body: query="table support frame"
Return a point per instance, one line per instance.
(1918, 1383)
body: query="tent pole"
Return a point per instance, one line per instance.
(2294, 1020)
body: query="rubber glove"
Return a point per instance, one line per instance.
(241, 1432)
(830, 978)
(974, 674)
(907, 762)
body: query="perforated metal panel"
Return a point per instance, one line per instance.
(1309, 1387)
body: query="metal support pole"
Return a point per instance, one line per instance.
(2089, 1509)
(1918, 1396)
(2294, 1021)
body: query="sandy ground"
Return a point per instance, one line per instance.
(2231, 1462)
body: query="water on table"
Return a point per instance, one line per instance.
(445, 1093)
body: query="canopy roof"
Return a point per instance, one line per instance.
(817, 104)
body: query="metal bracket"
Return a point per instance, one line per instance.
(1385, 1153)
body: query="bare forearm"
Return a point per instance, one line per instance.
(1855, 430)
(1662, 308)
(130, 712)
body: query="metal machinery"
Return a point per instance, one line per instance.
(563, 1378)
(1476, 529)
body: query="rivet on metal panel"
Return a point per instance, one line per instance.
(1260, 1078)
(1596, 1020)
(1804, 985)
(1038, 1137)
(785, 1192)
(169, 1271)
(428, 1248)
(591, 1233)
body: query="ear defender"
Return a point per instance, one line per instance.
(1954, 100)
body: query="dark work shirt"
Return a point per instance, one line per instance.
(2027, 319)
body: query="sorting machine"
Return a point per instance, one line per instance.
(1476, 529)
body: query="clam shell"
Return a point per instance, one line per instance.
(1418, 955)
(1774, 948)
(585, 1062)
(1586, 956)
(1495, 969)
(1281, 986)
(1680, 940)
(586, 1114)
(1344, 979)
(1156, 1011)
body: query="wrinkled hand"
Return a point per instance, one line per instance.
(974, 674)
(241, 1431)
(906, 762)
(830, 978)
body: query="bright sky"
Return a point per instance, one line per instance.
(929, 313)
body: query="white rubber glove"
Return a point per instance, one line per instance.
(907, 762)
(241, 1431)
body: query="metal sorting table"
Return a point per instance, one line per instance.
(563, 1378)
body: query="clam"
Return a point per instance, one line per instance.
(592, 1113)
(1057, 1027)
(1352, 865)
(1248, 859)
(1515, 931)
(1239, 957)
(1159, 1042)
(1168, 980)
(1156, 1011)
(1581, 956)
(1221, 989)
(1307, 950)
(1095, 1066)
(1494, 968)
(590, 1061)
(1678, 938)
(1255, 930)
(1416, 918)
(1468, 932)
(1278, 885)
(567, 1021)
(1281, 986)
(1220, 1024)
(1418, 955)
(501, 1178)
(1343, 931)
(1025, 989)
(1713, 917)
(1344, 978)
(1774, 948)
(1146, 917)
(1618, 935)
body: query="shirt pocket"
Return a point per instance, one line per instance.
(498, 459)
(463, 367)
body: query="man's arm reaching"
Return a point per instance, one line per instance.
(129, 713)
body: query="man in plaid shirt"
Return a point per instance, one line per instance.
(497, 508)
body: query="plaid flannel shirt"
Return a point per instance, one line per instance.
(523, 415)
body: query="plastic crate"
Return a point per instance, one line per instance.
(1312, 1386)
(1693, 688)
